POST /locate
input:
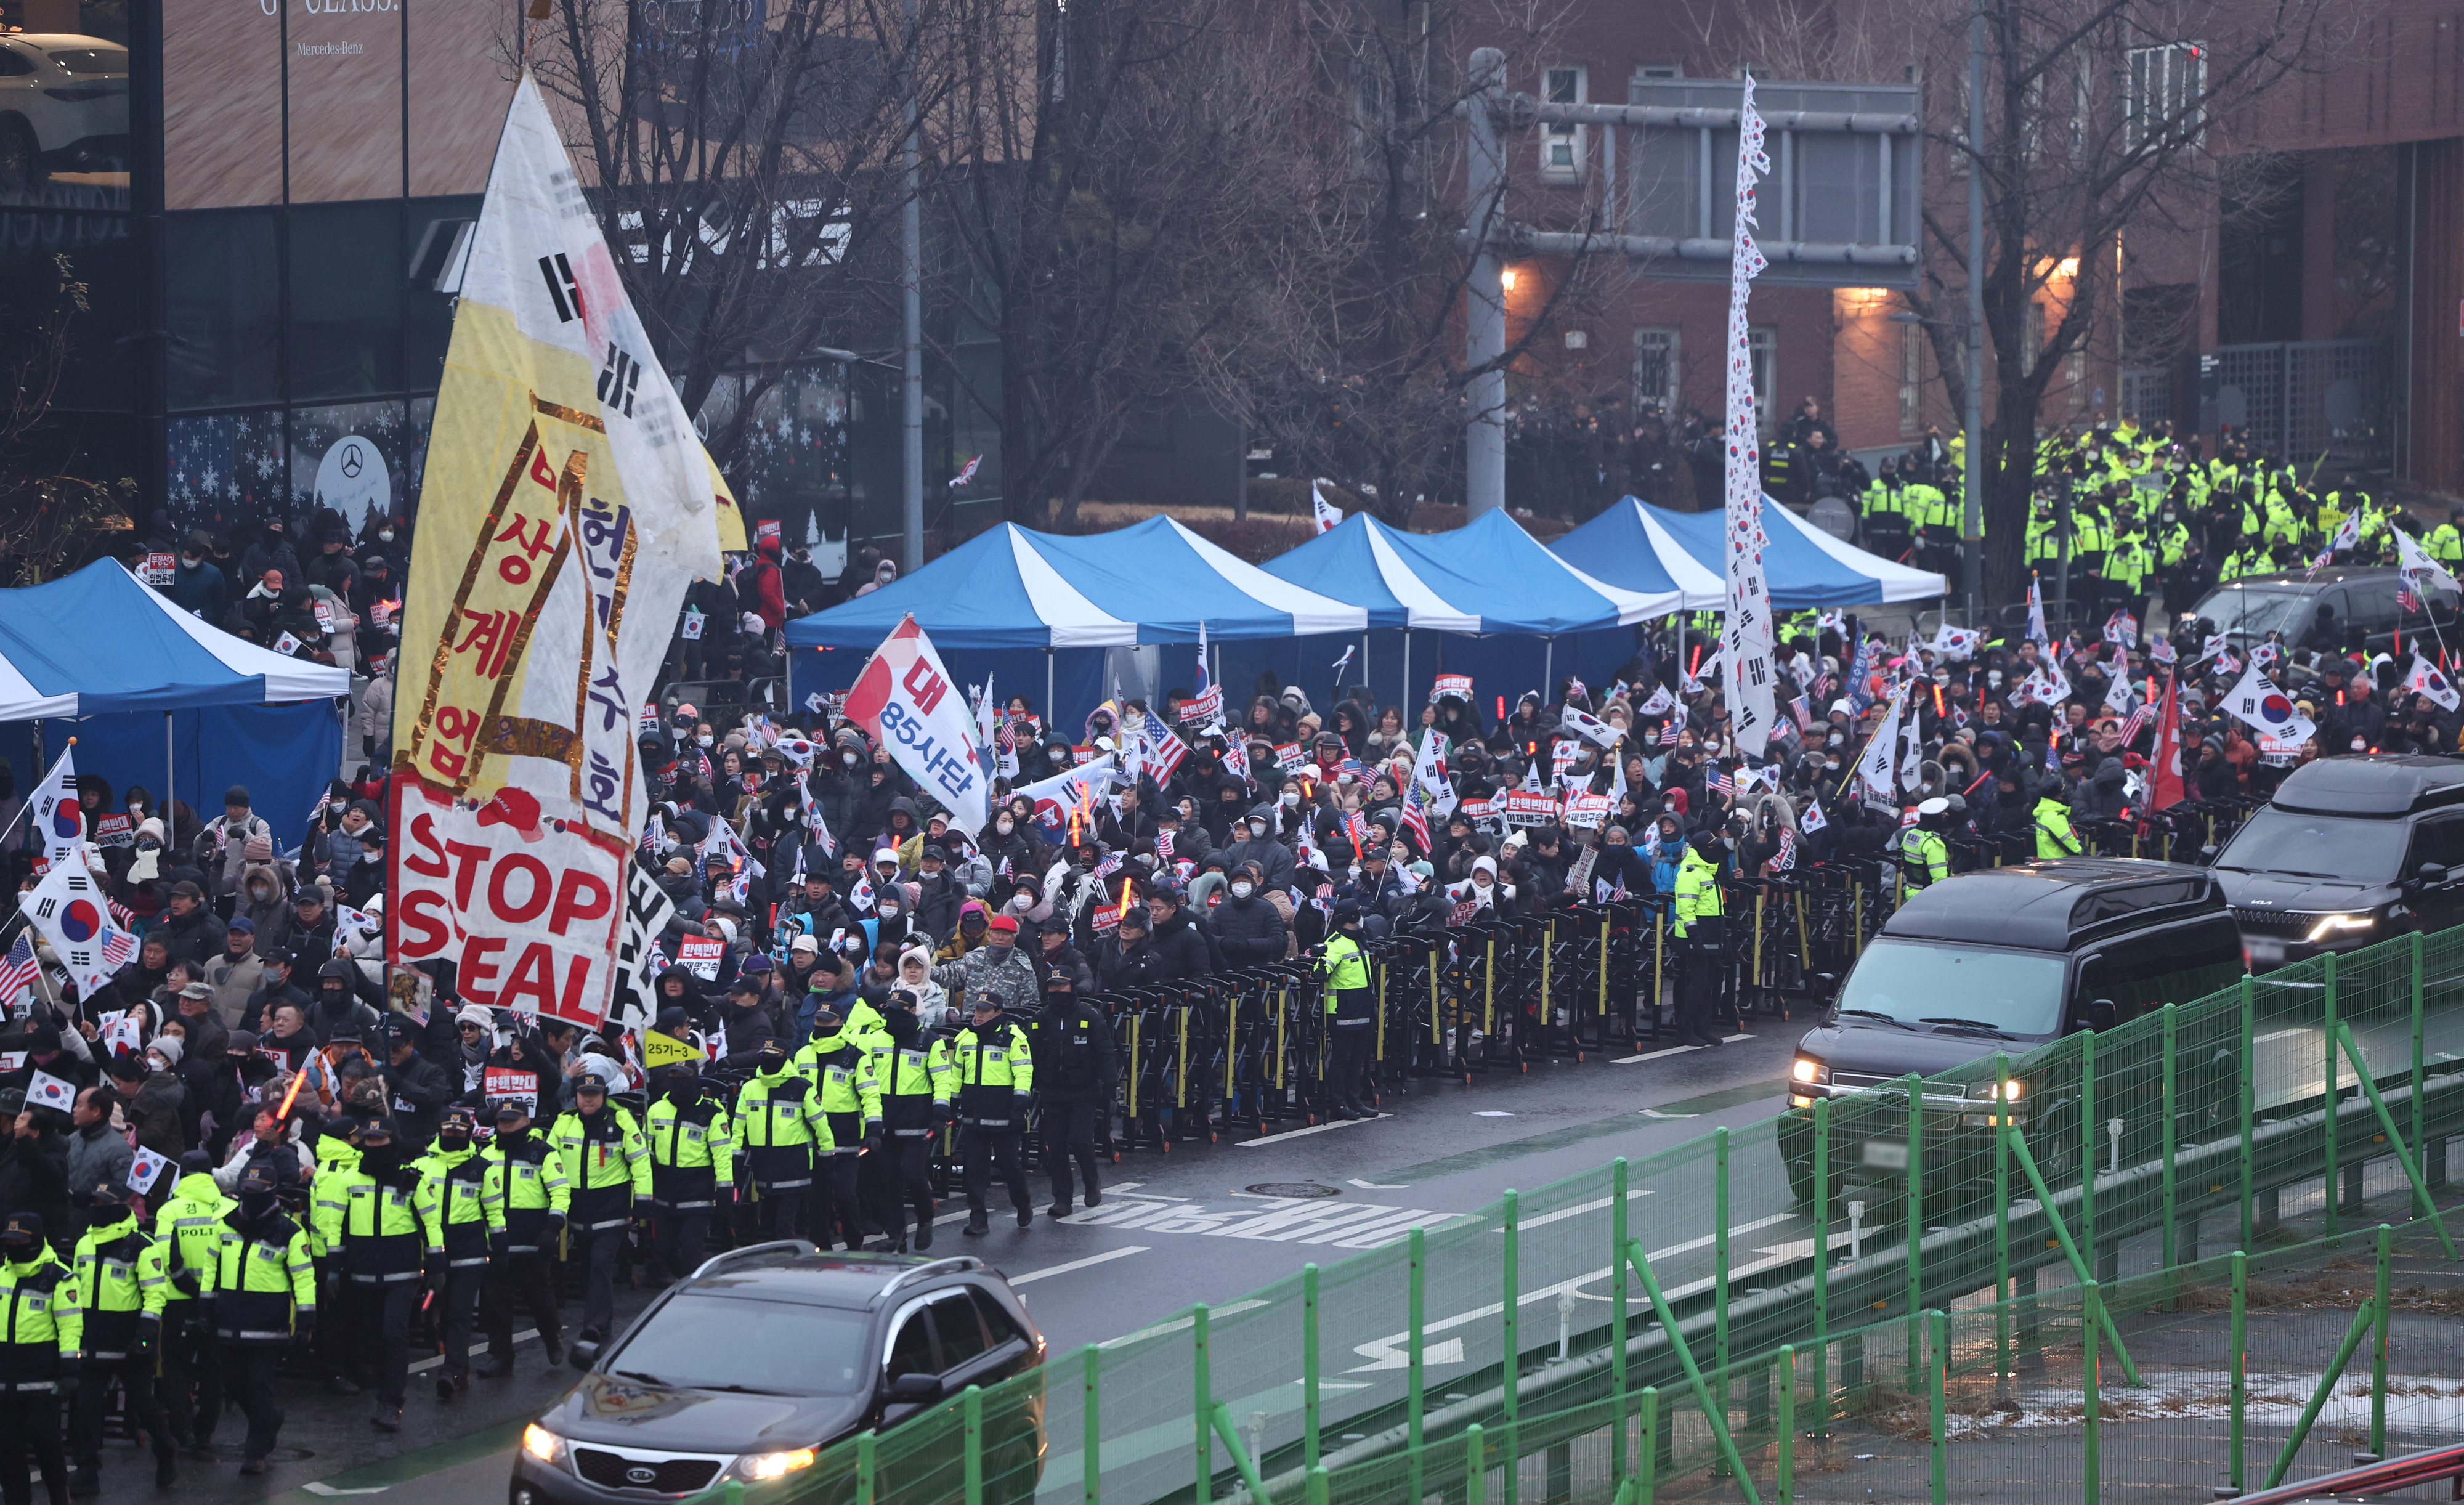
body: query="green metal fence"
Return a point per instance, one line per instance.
(1772, 1263)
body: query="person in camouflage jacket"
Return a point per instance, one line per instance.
(995, 969)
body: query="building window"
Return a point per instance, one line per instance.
(1655, 383)
(1912, 349)
(2164, 98)
(2075, 378)
(1561, 147)
(2031, 338)
(1761, 347)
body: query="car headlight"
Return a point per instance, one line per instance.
(1809, 1070)
(2341, 924)
(760, 1466)
(543, 1445)
(2012, 1091)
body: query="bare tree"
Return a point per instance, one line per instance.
(744, 168)
(48, 518)
(1355, 362)
(2104, 122)
(1113, 174)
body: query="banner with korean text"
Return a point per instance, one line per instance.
(565, 507)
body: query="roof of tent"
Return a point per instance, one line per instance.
(1154, 581)
(1487, 577)
(1805, 567)
(102, 640)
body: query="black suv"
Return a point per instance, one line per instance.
(2005, 958)
(762, 1358)
(2363, 598)
(2349, 850)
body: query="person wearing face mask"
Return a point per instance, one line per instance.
(939, 893)
(838, 1059)
(995, 970)
(119, 1285)
(1248, 930)
(1349, 1012)
(1257, 847)
(373, 1224)
(779, 1121)
(915, 1083)
(524, 1194)
(608, 1173)
(453, 1220)
(1699, 925)
(263, 1292)
(197, 586)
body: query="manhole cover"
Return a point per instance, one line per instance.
(1290, 1188)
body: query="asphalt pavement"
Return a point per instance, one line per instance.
(1158, 1243)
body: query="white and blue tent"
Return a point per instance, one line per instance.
(1504, 608)
(153, 691)
(1021, 607)
(1806, 567)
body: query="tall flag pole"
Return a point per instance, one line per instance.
(1745, 651)
(565, 506)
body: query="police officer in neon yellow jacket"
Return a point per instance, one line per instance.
(265, 1289)
(41, 1331)
(1351, 1016)
(1701, 925)
(121, 1286)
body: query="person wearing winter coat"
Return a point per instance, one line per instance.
(1259, 848)
(1483, 889)
(151, 1096)
(221, 849)
(351, 856)
(1180, 942)
(939, 893)
(931, 1002)
(1248, 930)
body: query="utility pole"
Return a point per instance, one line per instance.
(1485, 296)
(910, 296)
(1971, 525)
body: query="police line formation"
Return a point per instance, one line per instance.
(247, 1164)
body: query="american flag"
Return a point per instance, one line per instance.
(117, 947)
(1416, 815)
(1164, 751)
(1804, 716)
(2134, 723)
(1822, 689)
(2405, 598)
(1668, 734)
(17, 973)
(1722, 781)
(1110, 865)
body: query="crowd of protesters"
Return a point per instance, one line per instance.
(350, 1168)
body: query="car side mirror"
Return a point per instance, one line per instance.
(581, 1355)
(2099, 1015)
(916, 1389)
(2431, 874)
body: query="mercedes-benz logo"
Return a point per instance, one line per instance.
(352, 464)
(637, 1474)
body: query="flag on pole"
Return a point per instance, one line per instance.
(1746, 635)
(1416, 816)
(2256, 701)
(2165, 780)
(2426, 680)
(1162, 752)
(67, 905)
(57, 816)
(2425, 574)
(564, 507)
(1329, 516)
(2036, 632)
(19, 971)
(46, 1091)
(905, 702)
(145, 1169)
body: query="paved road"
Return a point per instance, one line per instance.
(1157, 1245)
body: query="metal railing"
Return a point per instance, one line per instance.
(1961, 1224)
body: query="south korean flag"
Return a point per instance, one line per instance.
(2426, 680)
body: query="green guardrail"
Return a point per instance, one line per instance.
(1791, 1236)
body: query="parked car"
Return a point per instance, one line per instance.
(751, 1366)
(2348, 851)
(63, 107)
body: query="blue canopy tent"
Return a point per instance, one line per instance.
(1806, 567)
(1487, 588)
(110, 653)
(1025, 608)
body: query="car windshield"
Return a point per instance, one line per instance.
(710, 1342)
(2332, 847)
(2257, 610)
(1931, 984)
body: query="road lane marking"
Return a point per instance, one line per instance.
(1078, 1264)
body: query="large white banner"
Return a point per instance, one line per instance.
(906, 700)
(565, 507)
(1746, 638)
